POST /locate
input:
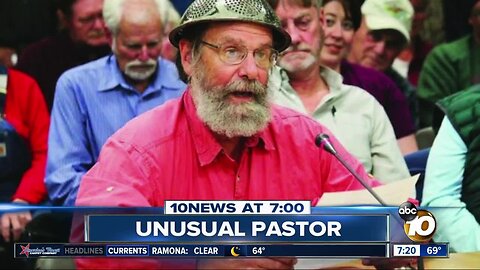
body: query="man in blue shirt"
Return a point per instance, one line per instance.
(94, 100)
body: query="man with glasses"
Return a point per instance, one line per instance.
(223, 140)
(384, 32)
(305, 85)
(94, 100)
(83, 38)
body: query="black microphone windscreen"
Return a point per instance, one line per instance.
(323, 141)
(320, 139)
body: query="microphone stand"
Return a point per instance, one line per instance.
(323, 141)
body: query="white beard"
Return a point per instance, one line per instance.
(224, 118)
(140, 75)
(306, 63)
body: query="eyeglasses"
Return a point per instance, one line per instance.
(90, 20)
(392, 40)
(265, 57)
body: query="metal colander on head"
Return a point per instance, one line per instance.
(255, 11)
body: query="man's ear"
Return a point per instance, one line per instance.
(321, 16)
(185, 49)
(62, 19)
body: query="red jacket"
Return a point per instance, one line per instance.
(26, 110)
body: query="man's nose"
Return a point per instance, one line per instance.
(98, 23)
(293, 32)
(379, 47)
(143, 55)
(248, 68)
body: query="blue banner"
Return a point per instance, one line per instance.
(434, 250)
(187, 229)
(154, 250)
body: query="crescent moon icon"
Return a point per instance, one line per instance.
(232, 251)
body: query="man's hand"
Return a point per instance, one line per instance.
(13, 224)
(244, 263)
(390, 263)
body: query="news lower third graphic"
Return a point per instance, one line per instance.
(239, 229)
(420, 250)
(419, 225)
(236, 228)
(346, 250)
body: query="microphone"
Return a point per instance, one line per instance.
(323, 141)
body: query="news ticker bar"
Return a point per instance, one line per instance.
(420, 250)
(155, 250)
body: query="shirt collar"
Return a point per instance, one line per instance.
(205, 144)
(263, 138)
(334, 79)
(166, 77)
(280, 81)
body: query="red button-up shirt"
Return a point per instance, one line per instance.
(168, 153)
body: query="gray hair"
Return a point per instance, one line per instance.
(300, 3)
(113, 10)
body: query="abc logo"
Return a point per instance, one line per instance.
(419, 224)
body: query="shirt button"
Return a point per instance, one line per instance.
(238, 178)
(109, 189)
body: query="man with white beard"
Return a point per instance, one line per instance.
(305, 85)
(223, 140)
(94, 100)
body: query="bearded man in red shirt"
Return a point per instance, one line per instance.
(223, 139)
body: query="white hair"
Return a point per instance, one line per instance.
(113, 10)
(170, 14)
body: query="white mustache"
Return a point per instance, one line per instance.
(254, 87)
(138, 63)
(300, 47)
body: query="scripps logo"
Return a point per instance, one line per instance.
(419, 225)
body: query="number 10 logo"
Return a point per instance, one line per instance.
(419, 225)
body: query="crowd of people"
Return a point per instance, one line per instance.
(131, 104)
